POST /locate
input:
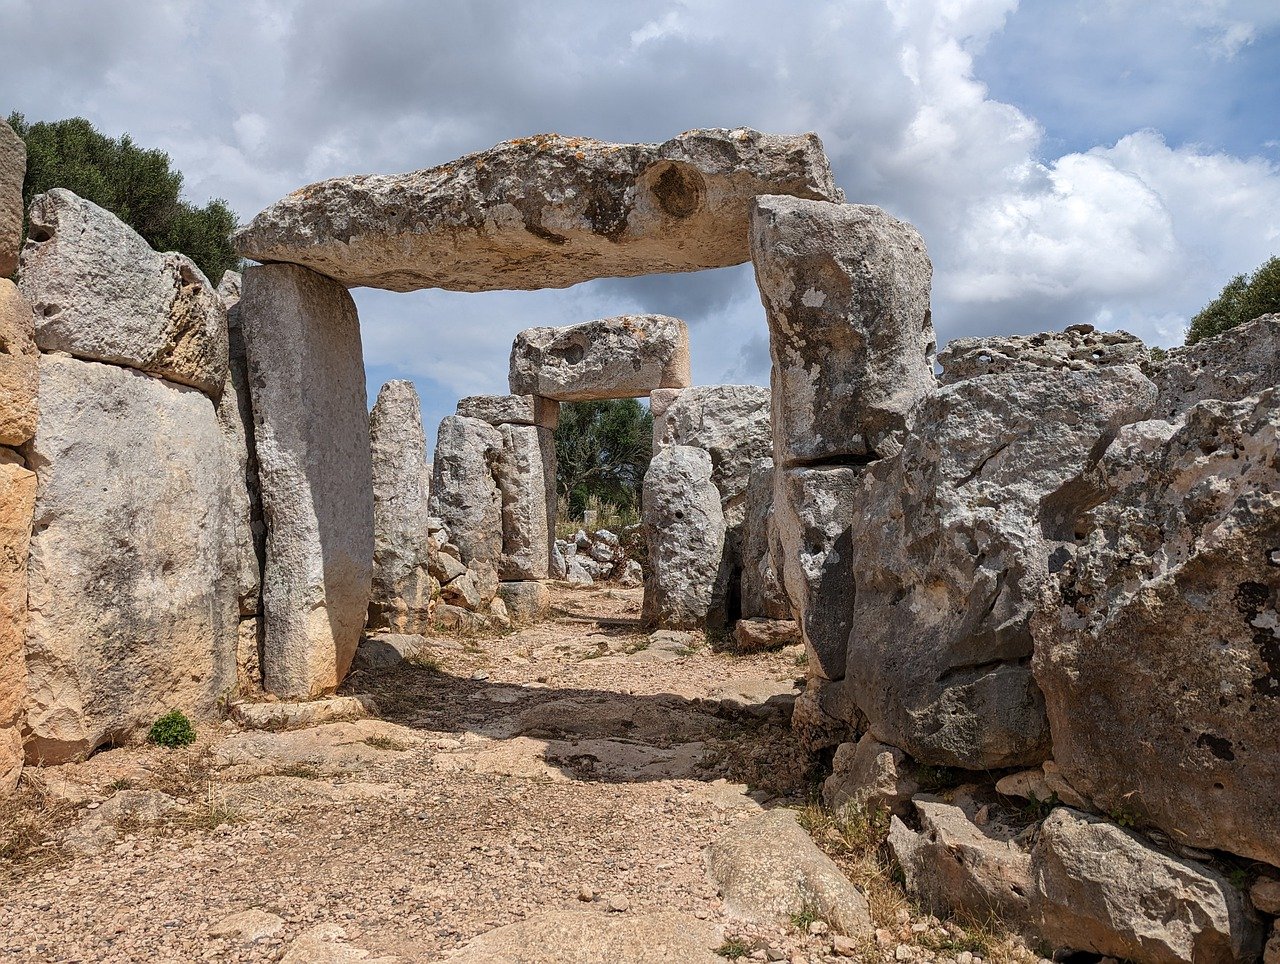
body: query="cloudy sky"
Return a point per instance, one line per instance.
(1109, 161)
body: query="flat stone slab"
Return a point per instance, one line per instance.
(289, 716)
(542, 212)
(576, 937)
(511, 410)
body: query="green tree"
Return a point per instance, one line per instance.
(135, 184)
(1244, 298)
(603, 450)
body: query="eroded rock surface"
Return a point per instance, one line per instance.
(1159, 648)
(870, 774)
(624, 357)
(17, 502)
(100, 293)
(464, 494)
(511, 410)
(18, 359)
(579, 937)
(133, 587)
(13, 169)
(402, 584)
(542, 212)
(312, 441)
(1231, 366)
(762, 595)
(1077, 349)
(846, 293)
(525, 475)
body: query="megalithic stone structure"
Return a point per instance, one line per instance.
(312, 439)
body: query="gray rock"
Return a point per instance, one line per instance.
(756, 635)
(684, 529)
(1158, 647)
(100, 293)
(577, 574)
(1098, 888)
(870, 774)
(312, 441)
(13, 169)
(761, 591)
(525, 474)
(19, 356)
(249, 656)
(559, 565)
(445, 567)
(953, 539)
(402, 583)
(632, 574)
(133, 580)
(527, 602)
(17, 502)
(846, 293)
(623, 357)
(813, 514)
(769, 870)
(1231, 366)
(1078, 348)
(511, 410)
(542, 212)
(463, 491)
(954, 867)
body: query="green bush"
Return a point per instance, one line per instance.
(172, 730)
(1244, 298)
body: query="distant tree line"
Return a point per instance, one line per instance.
(602, 452)
(137, 185)
(1244, 298)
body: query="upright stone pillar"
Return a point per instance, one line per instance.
(402, 585)
(312, 439)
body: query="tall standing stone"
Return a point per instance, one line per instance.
(684, 528)
(13, 169)
(762, 592)
(17, 501)
(132, 573)
(312, 439)
(464, 494)
(526, 477)
(402, 585)
(846, 293)
(18, 366)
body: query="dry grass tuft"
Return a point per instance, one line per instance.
(31, 819)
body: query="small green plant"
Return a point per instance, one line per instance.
(1157, 353)
(120, 784)
(801, 921)
(1122, 817)
(172, 730)
(425, 661)
(734, 948)
(1037, 809)
(1239, 878)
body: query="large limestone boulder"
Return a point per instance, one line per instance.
(814, 516)
(511, 410)
(18, 361)
(526, 478)
(1096, 887)
(953, 866)
(623, 357)
(464, 494)
(761, 592)
(312, 440)
(769, 870)
(1158, 650)
(952, 541)
(132, 572)
(402, 584)
(101, 293)
(684, 529)
(17, 501)
(542, 212)
(846, 293)
(13, 169)
(1078, 348)
(1231, 366)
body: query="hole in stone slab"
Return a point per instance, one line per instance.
(678, 190)
(679, 514)
(39, 234)
(574, 354)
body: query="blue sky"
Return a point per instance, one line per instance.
(1110, 161)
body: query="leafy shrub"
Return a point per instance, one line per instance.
(172, 730)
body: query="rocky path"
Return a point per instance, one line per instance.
(574, 767)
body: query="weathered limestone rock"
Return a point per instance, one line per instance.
(1042, 784)
(249, 656)
(684, 529)
(542, 212)
(527, 602)
(953, 538)
(955, 867)
(511, 410)
(18, 360)
(312, 440)
(402, 583)
(292, 716)
(1098, 888)
(754, 635)
(526, 478)
(13, 169)
(872, 774)
(463, 491)
(1265, 895)
(846, 291)
(814, 514)
(101, 293)
(17, 501)
(577, 937)
(1077, 349)
(132, 573)
(1158, 649)
(1234, 365)
(761, 593)
(769, 870)
(622, 357)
